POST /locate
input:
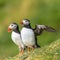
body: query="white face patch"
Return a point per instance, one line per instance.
(12, 26)
(26, 22)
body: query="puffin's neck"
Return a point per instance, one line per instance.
(16, 30)
(27, 26)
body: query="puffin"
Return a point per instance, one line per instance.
(29, 34)
(16, 36)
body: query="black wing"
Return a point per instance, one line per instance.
(40, 28)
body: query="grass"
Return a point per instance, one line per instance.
(50, 52)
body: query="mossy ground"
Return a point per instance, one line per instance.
(50, 52)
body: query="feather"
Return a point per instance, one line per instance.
(40, 28)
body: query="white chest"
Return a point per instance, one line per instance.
(28, 36)
(25, 32)
(16, 38)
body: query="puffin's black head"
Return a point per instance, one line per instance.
(13, 27)
(25, 22)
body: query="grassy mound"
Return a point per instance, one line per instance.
(50, 52)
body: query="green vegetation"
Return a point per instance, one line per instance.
(38, 11)
(50, 52)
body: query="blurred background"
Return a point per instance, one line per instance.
(45, 12)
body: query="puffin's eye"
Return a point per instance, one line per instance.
(11, 25)
(26, 21)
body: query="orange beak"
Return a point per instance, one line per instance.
(9, 30)
(21, 22)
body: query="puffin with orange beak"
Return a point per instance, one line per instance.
(29, 34)
(16, 36)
